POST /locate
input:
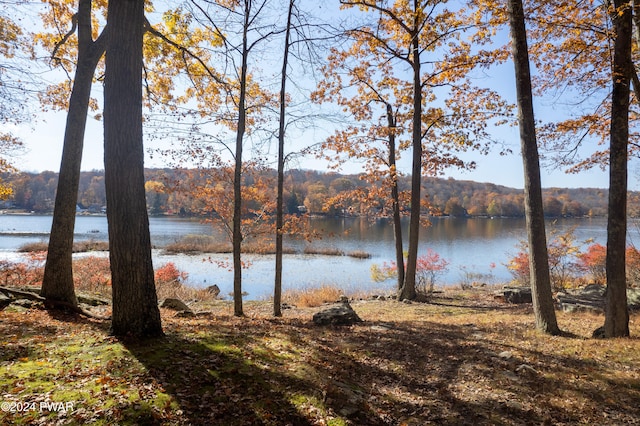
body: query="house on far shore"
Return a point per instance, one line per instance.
(92, 209)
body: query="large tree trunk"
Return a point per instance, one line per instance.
(277, 290)
(57, 283)
(408, 290)
(616, 322)
(135, 305)
(543, 306)
(395, 197)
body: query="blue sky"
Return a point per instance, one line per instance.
(43, 142)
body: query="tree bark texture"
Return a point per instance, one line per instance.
(543, 305)
(237, 176)
(408, 290)
(395, 197)
(616, 322)
(135, 305)
(57, 283)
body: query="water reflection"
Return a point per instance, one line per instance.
(472, 245)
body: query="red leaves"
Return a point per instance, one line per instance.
(169, 273)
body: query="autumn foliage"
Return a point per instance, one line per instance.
(571, 266)
(429, 267)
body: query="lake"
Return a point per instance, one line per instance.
(478, 245)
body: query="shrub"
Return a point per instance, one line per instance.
(473, 279)
(562, 251)
(428, 267)
(593, 262)
(633, 266)
(20, 274)
(92, 274)
(518, 266)
(170, 274)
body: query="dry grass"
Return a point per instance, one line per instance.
(194, 244)
(256, 247)
(312, 296)
(359, 254)
(78, 247)
(183, 292)
(324, 251)
(90, 245)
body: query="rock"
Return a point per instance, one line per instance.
(505, 355)
(26, 303)
(92, 301)
(175, 304)
(381, 327)
(346, 399)
(517, 295)
(341, 314)
(593, 289)
(526, 370)
(598, 333)
(633, 298)
(214, 290)
(591, 298)
(4, 301)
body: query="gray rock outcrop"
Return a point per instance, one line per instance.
(339, 314)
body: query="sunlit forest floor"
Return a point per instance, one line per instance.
(461, 358)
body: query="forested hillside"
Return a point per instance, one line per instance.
(172, 192)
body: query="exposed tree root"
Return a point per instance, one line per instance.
(51, 304)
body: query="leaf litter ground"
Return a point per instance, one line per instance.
(462, 358)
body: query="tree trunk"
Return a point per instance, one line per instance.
(395, 197)
(237, 177)
(277, 290)
(57, 283)
(543, 306)
(408, 290)
(616, 322)
(135, 305)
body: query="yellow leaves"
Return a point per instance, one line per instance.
(154, 186)
(57, 96)
(9, 34)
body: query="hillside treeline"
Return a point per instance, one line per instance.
(171, 192)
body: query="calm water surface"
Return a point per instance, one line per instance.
(480, 246)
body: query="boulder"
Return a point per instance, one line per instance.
(339, 314)
(589, 298)
(592, 297)
(517, 295)
(175, 304)
(214, 290)
(633, 298)
(4, 301)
